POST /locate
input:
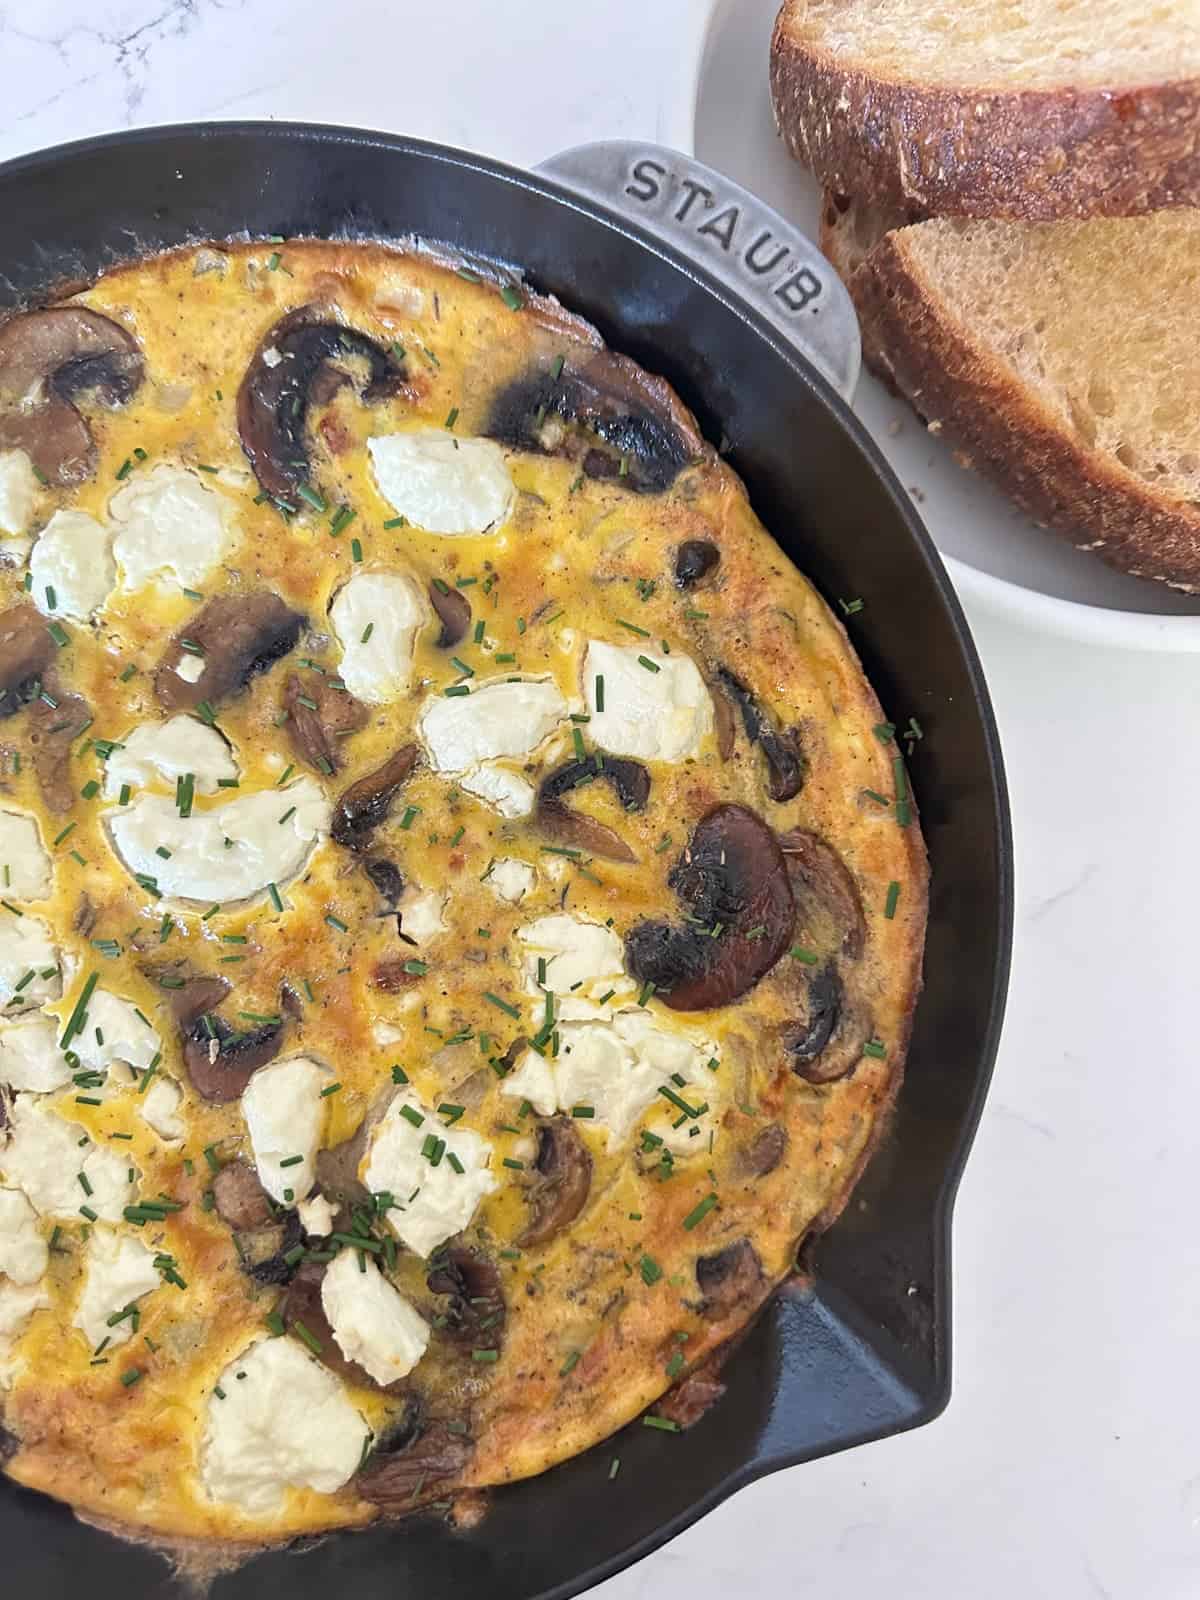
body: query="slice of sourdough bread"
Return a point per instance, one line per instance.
(1061, 360)
(1033, 109)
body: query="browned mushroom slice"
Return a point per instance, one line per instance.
(629, 779)
(475, 1312)
(694, 560)
(337, 1165)
(562, 1182)
(269, 1255)
(47, 359)
(829, 911)
(785, 760)
(240, 1199)
(826, 1041)
(236, 636)
(731, 1279)
(26, 651)
(387, 879)
(302, 352)
(319, 716)
(420, 1465)
(604, 413)
(365, 804)
(55, 722)
(218, 1059)
(199, 993)
(764, 1152)
(724, 726)
(733, 881)
(454, 613)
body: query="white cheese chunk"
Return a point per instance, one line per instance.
(316, 1216)
(422, 913)
(498, 719)
(372, 1321)
(658, 713)
(583, 961)
(21, 850)
(285, 1117)
(510, 879)
(18, 1302)
(18, 487)
(114, 1031)
(508, 792)
(44, 1158)
(618, 1068)
(160, 1108)
(24, 1255)
(117, 1272)
(377, 616)
(268, 845)
(29, 1056)
(442, 483)
(167, 523)
(72, 563)
(285, 1422)
(594, 1067)
(431, 1203)
(159, 753)
(190, 667)
(26, 946)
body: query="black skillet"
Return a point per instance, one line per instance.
(660, 254)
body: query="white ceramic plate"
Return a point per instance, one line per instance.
(998, 559)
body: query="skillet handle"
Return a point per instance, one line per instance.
(722, 228)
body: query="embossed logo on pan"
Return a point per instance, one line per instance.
(742, 239)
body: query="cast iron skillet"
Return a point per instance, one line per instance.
(866, 1351)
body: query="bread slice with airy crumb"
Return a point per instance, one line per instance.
(1031, 109)
(1061, 360)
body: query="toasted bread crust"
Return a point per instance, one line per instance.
(1033, 155)
(1002, 430)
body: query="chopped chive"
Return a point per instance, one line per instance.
(663, 1423)
(650, 666)
(875, 1048)
(275, 899)
(315, 500)
(698, 1215)
(512, 297)
(599, 691)
(336, 922)
(356, 550)
(643, 633)
(341, 519)
(501, 1005)
(452, 417)
(130, 1376)
(893, 897)
(650, 1270)
(417, 968)
(485, 1355)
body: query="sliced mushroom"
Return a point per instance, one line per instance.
(829, 912)
(733, 881)
(723, 723)
(562, 1182)
(219, 1060)
(337, 1165)
(419, 1467)
(264, 1252)
(694, 1395)
(236, 636)
(319, 715)
(785, 760)
(239, 1197)
(475, 1312)
(49, 358)
(199, 993)
(454, 613)
(605, 414)
(365, 804)
(26, 651)
(55, 722)
(387, 878)
(304, 357)
(731, 1279)
(629, 779)
(826, 1041)
(764, 1152)
(694, 560)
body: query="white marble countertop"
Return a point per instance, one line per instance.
(1068, 1462)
